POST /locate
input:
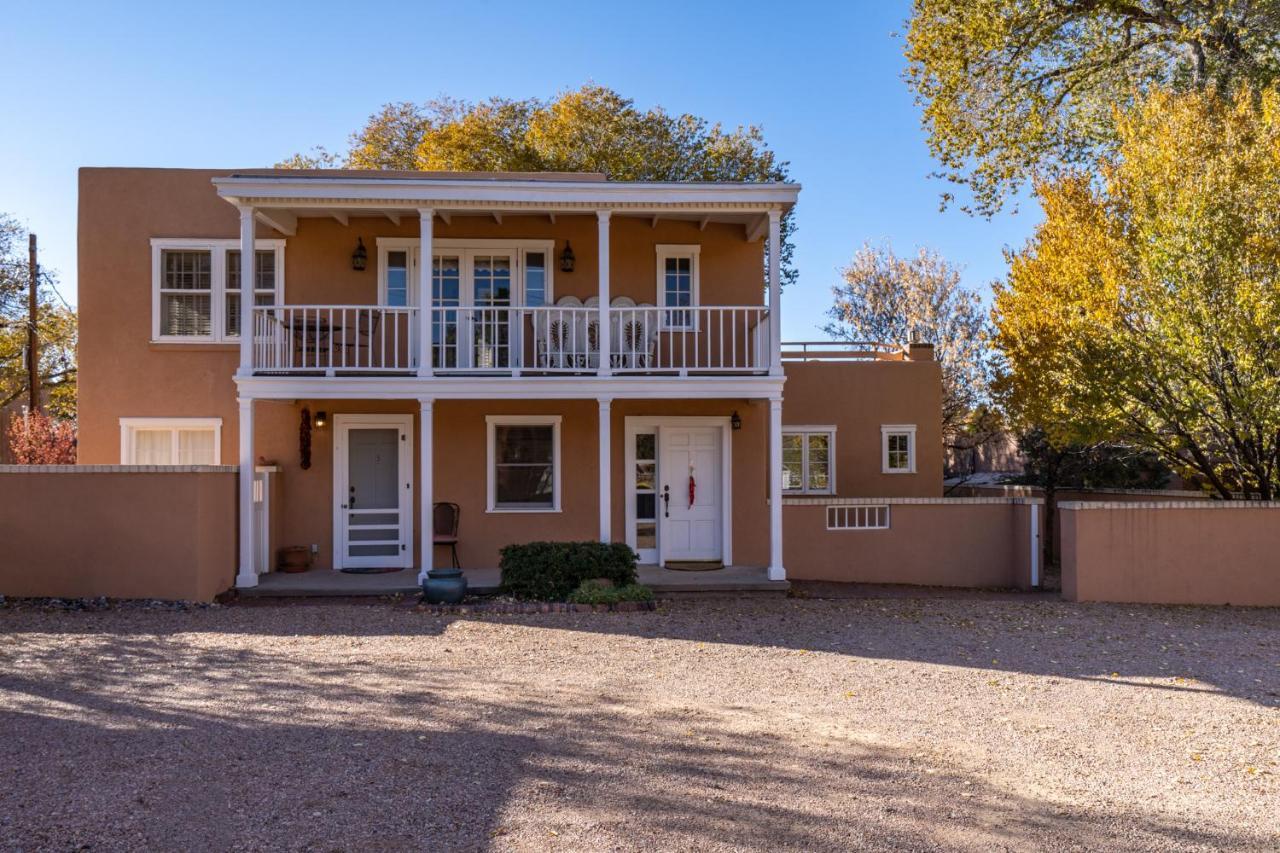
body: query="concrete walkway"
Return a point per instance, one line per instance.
(328, 583)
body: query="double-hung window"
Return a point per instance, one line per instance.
(524, 463)
(678, 285)
(898, 448)
(808, 460)
(170, 441)
(196, 287)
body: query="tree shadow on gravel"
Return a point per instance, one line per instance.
(159, 743)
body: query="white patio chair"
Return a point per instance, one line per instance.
(589, 326)
(638, 337)
(553, 333)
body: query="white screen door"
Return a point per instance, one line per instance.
(373, 491)
(692, 529)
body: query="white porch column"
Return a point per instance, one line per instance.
(426, 486)
(247, 575)
(602, 336)
(776, 571)
(248, 268)
(606, 470)
(426, 218)
(775, 292)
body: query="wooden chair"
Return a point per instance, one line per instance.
(444, 520)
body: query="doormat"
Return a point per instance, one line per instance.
(696, 566)
(372, 571)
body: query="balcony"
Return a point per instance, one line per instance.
(356, 340)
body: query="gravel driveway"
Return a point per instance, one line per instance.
(710, 725)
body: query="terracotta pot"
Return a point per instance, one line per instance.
(294, 559)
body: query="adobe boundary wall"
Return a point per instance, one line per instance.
(956, 542)
(121, 531)
(1191, 552)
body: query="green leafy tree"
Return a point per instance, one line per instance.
(1146, 308)
(590, 129)
(56, 329)
(887, 297)
(1012, 89)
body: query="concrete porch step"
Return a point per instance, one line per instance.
(326, 583)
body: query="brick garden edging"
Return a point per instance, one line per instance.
(529, 607)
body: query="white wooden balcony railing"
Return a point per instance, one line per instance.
(371, 339)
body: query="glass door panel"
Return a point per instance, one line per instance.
(446, 292)
(491, 320)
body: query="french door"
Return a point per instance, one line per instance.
(373, 491)
(474, 292)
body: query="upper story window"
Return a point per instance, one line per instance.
(678, 284)
(196, 287)
(808, 460)
(898, 449)
(467, 273)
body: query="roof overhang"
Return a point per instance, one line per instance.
(485, 195)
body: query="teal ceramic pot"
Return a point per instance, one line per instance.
(444, 586)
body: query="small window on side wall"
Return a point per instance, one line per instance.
(808, 455)
(170, 441)
(898, 449)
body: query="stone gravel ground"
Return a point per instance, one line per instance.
(712, 724)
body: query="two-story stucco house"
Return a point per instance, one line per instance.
(562, 356)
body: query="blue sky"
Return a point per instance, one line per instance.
(246, 84)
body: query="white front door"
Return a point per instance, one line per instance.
(691, 499)
(373, 491)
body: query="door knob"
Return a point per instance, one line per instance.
(352, 499)
(666, 501)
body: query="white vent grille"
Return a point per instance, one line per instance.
(858, 517)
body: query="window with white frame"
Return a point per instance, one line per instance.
(196, 287)
(462, 269)
(170, 441)
(898, 449)
(678, 284)
(524, 463)
(808, 460)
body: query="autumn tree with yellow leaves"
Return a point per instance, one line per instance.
(1146, 307)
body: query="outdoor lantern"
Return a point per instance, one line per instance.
(735, 420)
(359, 257)
(566, 258)
(322, 418)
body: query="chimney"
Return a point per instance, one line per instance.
(920, 352)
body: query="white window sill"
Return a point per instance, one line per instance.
(896, 471)
(500, 510)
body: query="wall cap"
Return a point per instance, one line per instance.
(119, 469)
(834, 501)
(1019, 489)
(1201, 504)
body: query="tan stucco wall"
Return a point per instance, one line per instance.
(958, 543)
(859, 398)
(461, 473)
(74, 534)
(1217, 553)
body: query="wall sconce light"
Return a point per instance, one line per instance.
(322, 418)
(359, 257)
(735, 420)
(566, 258)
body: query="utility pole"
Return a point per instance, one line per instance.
(33, 317)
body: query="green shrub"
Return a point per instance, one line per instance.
(594, 593)
(549, 571)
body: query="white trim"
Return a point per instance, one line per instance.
(634, 424)
(858, 516)
(247, 575)
(1035, 545)
(446, 245)
(777, 572)
(492, 421)
(128, 426)
(908, 430)
(217, 249)
(343, 423)
(404, 192)
(665, 251)
(830, 431)
(605, 441)
(511, 388)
